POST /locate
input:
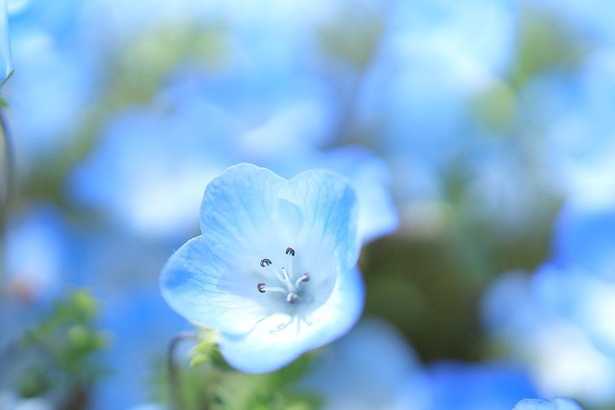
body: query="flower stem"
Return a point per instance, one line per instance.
(7, 177)
(175, 393)
(7, 161)
(8, 170)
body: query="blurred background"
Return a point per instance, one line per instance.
(478, 134)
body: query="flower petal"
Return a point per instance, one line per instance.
(241, 215)
(370, 177)
(265, 349)
(329, 209)
(197, 285)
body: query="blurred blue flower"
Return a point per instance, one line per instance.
(151, 162)
(369, 176)
(373, 367)
(37, 250)
(274, 269)
(558, 403)
(587, 301)
(36, 270)
(369, 368)
(10, 401)
(419, 91)
(148, 406)
(560, 357)
(579, 284)
(115, 22)
(139, 325)
(57, 76)
(150, 165)
(584, 240)
(580, 142)
(484, 386)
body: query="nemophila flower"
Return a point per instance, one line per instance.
(150, 164)
(36, 268)
(9, 400)
(583, 239)
(37, 250)
(420, 90)
(55, 60)
(558, 403)
(368, 174)
(578, 284)
(273, 271)
(372, 367)
(560, 357)
(484, 386)
(139, 325)
(580, 142)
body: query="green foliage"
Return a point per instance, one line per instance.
(209, 383)
(63, 349)
(3, 103)
(149, 57)
(545, 43)
(355, 41)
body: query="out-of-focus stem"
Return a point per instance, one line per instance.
(7, 176)
(175, 393)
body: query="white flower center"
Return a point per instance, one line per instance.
(290, 285)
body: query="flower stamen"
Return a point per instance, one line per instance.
(290, 288)
(304, 278)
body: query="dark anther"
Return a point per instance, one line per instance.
(261, 287)
(265, 262)
(290, 251)
(306, 277)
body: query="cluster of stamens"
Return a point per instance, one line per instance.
(289, 287)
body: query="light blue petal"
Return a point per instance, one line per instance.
(203, 289)
(265, 349)
(370, 177)
(330, 211)
(558, 403)
(242, 216)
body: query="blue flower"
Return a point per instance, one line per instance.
(368, 175)
(139, 324)
(55, 61)
(274, 269)
(557, 403)
(150, 165)
(9, 400)
(578, 284)
(420, 90)
(36, 252)
(486, 386)
(371, 367)
(522, 321)
(579, 145)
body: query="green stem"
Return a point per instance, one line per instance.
(8, 173)
(177, 402)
